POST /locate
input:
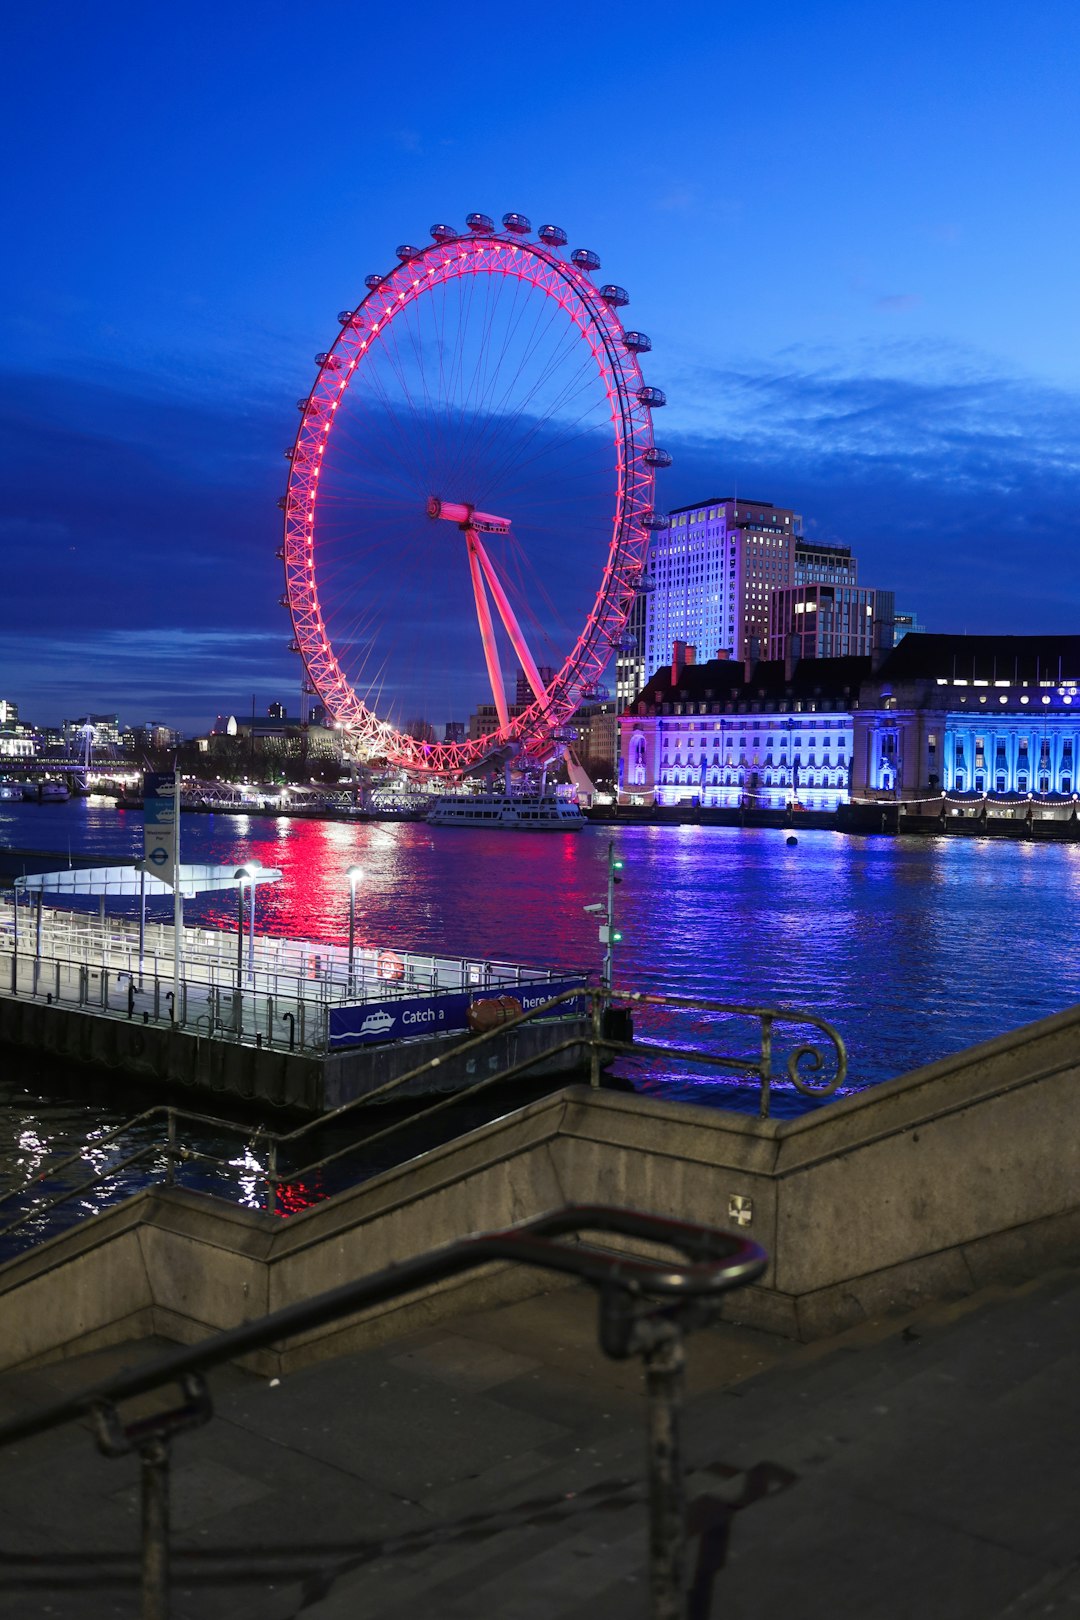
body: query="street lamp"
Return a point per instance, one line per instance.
(354, 874)
(245, 874)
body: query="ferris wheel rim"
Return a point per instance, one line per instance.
(419, 272)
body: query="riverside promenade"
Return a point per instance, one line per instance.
(492, 1468)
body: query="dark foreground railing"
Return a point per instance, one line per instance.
(646, 1306)
(597, 1038)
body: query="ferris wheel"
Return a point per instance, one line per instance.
(470, 499)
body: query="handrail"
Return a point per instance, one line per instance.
(715, 1261)
(645, 1308)
(590, 1039)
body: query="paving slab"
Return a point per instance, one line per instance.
(494, 1467)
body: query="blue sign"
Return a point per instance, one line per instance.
(398, 1020)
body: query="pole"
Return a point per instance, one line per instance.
(609, 953)
(352, 931)
(178, 898)
(142, 923)
(154, 1472)
(239, 933)
(664, 1362)
(251, 932)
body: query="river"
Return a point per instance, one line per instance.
(912, 947)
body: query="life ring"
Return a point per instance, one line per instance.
(390, 965)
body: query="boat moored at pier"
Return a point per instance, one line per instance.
(536, 812)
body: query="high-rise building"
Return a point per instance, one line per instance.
(822, 621)
(710, 575)
(630, 671)
(824, 565)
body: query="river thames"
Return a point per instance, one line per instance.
(912, 947)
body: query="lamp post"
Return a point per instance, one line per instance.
(354, 874)
(244, 874)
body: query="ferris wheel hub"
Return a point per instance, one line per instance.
(465, 515)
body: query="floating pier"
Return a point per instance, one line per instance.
(296, 1023)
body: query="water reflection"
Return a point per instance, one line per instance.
(912, 948)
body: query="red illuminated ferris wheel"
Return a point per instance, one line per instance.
(470, 499)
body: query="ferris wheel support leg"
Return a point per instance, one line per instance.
(513, 629)
(487, 632)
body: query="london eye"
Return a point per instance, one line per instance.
(470, 498)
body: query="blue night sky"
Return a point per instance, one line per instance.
(850, 228)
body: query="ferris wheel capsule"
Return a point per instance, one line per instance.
(652, 397)
(517, 223)
(406, 252)
(637, 342)
(553, 235)
(443, 233)
(617, 297)
(655, 457)
(480, 224)
(655, 520)
(585, 259)
(329, 362)
(374, 280)
(349, 317)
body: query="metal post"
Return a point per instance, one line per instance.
(251, 933)
(609, 953)
(271, 1178)
(239, 933)
(142, 922)
(766, 1064)
(597, 1034)
(38, 927)
(664, 1363)
(154, 1475)
(170, 1147)
(352, 931)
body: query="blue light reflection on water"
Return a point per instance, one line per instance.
(913, 948)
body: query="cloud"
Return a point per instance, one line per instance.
(953, 482)
(899, 303)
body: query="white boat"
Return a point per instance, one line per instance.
(46, 792)
(10, 790)
(524, 812)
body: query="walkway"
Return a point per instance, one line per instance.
(490, 1469)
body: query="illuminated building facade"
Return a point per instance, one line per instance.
(943, 721)
(994, 717)
(710, 575)
(727, 733)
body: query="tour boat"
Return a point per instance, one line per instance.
(534, 812)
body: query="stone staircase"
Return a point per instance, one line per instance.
(492, 1466)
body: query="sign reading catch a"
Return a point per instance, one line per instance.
(159, 822)
(438, 1015)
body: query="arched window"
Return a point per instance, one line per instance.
(637, 759)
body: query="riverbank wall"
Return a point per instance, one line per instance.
(959, 1175)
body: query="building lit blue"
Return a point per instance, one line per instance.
(941, 717)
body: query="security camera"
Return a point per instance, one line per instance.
(599, 906)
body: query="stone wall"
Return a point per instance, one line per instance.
(961, 1173)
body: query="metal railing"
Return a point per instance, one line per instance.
(267, 991)
(266, 1151)
(646, 1307)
